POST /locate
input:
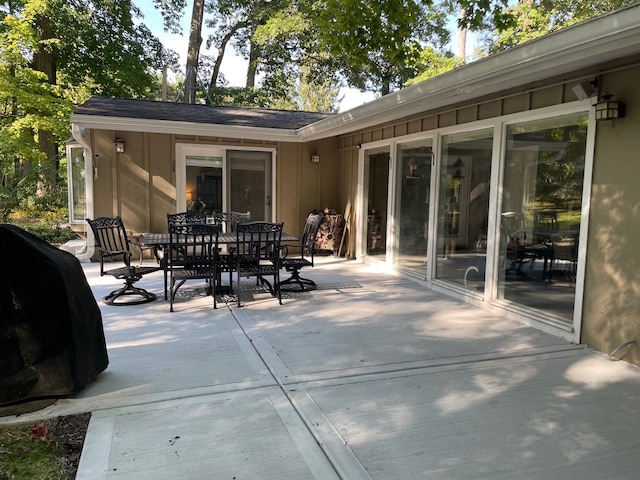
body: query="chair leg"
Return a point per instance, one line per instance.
(174, 290)
(276, 285)
(165, 283)
(128, 290)
(215, 283)
(295, 278)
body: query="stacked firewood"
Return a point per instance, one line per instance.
(330, 231)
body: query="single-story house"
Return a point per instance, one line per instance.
(512, 182)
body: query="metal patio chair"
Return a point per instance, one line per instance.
(293, 264)
(257, 255)
(113, 244)
(194, 254)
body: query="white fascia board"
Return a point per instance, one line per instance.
(182, 128)
(586, 45)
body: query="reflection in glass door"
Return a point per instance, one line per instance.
(541, 211)
(376, 181)
(250, 183)
(203, 188)
(411, 218)
(463, 208)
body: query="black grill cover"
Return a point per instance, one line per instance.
(51, 337)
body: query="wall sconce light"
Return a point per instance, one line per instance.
(315, 158)
(608, 109)
(119, 143)
(189, 196)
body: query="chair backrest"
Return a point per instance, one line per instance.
(309, 234)
(565, 246)
(258, 243)
(186, 217)
(229, 220)
(194, 245)
(111, 238)
(513, 226)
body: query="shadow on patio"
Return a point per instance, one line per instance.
(370, 376)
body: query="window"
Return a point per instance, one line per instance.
(76, 171)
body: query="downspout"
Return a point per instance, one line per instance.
(79, 136)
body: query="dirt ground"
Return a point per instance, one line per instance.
(64, 437)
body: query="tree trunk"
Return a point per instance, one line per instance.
(43, 62)
(253, 66)
(221, 51)
(462, 48)
(193, 52)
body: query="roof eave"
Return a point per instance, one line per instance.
(569, 50)
(124, 124)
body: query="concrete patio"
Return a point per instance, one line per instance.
(370, 376)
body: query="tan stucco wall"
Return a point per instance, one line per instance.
(612, 286)
(139, 184)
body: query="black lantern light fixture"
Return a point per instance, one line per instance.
(458, 166)
(609, 109)
(413, 167)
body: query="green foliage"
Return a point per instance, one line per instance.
(171, 11)
(478, 12)
(25, 456)
(44, 216)
(238, 96)
(317, 95)
(432, 63)
(54, 54)
(53, 233)
(377, 45)
(533, 19)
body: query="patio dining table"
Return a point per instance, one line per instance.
(160, 243)
(224, 238)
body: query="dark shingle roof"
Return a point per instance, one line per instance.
(205, 114)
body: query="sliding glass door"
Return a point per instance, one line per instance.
(376, 181)
(250, 183)
(541, 211)
(463, 208)
(411, 207)
(211, 178)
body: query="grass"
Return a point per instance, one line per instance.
(48, 450)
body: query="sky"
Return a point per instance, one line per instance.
(233, 67)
